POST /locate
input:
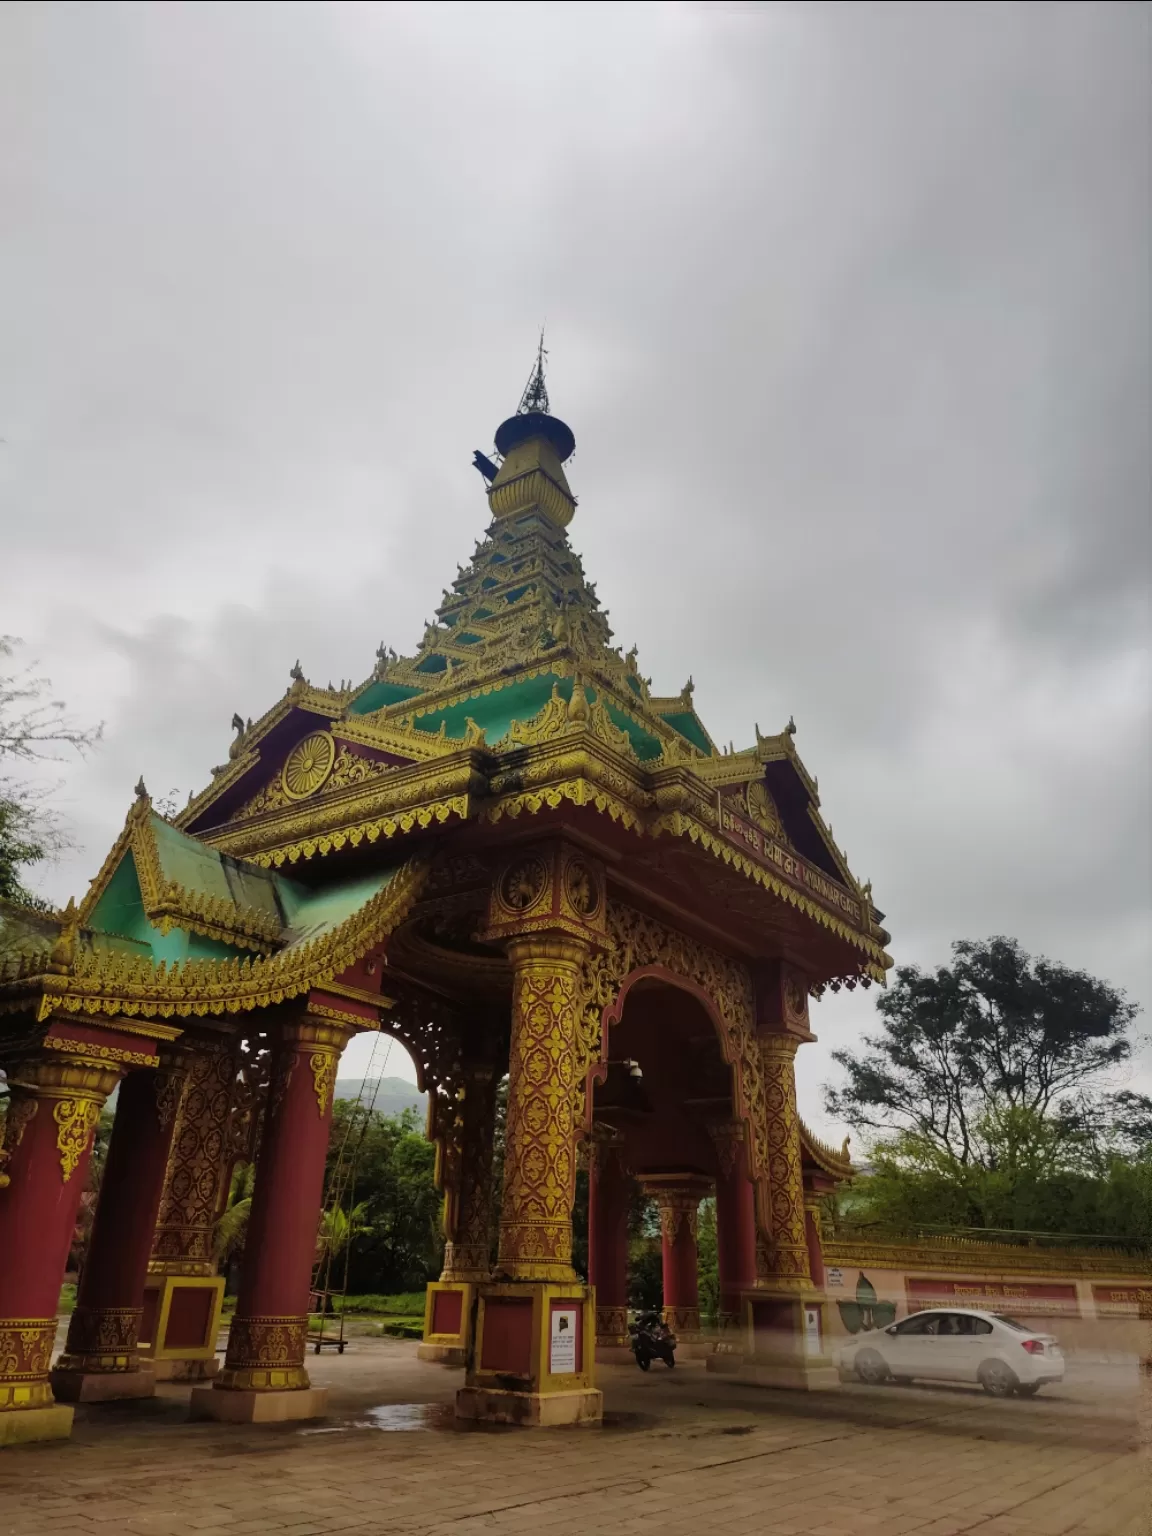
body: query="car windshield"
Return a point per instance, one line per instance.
(1010, 1322)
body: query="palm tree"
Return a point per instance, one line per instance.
(232, 1223)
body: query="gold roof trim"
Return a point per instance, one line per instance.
(112, 982)
(167, 903)
(832, 1160)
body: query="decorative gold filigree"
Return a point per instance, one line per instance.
(323, 1065)
(19, 1112)
(540, 1153)
(26, 1345)
(265, 1354)
(308, 765)
(76, 1120)
(523, 884)
(101, 1340)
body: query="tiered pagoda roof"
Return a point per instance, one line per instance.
(317, 832)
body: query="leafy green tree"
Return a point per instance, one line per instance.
(994, 1031)
(990, 1079)
(33, 726)
(390, 1196)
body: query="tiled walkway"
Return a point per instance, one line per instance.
(681, 1453)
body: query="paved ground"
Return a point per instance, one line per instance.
(680, 1453)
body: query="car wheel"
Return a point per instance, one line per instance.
(871, 1368)
(1029, 1388)
(998, 1379)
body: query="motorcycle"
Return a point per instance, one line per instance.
(651, 1340)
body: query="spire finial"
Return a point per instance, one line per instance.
(535, 396)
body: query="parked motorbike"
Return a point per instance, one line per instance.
(652, 1339)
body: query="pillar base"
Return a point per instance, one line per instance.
(793, 1375)
(177, 1369)
(101, 1386)
(233, 1406)
(442, 1354)
(530, 1410)
(22, 1426)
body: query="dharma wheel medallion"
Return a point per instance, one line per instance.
(309, 764)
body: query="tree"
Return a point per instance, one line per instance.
(996, 1031)
(389, 1195)
(33, 727)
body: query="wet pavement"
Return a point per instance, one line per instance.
(678, 1452)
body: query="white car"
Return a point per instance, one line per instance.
(952, 1344)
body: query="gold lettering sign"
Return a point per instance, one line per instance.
(752, 840)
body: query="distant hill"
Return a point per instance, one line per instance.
(394, 1095)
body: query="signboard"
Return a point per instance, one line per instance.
(834, 1276)
(758, 845)
(1120, 1300)
(812, 1331)
(562, 1344)
(1028, 1297)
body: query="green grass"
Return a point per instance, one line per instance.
(406, 1304)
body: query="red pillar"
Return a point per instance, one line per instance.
(264, 1375)
(609, 1189)
(678, 1198)
(100, 1360)
(735, 1220)
(52, 1116)
(815, 1246)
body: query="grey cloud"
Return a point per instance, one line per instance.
(848, 309)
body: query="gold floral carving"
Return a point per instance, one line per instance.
(543, 1087)
(167, 1088)
(581, 889)
(101, 1339)
(523, 884)
(308, 765)
(787, 1249)
(199, 1165)
(324, 1065)
(679, 1215)
(611, 1325)
(26, 1345)
(265, 1354)
(20, 1110)
(465, 1175)
(76, 1119)
(111, 1053)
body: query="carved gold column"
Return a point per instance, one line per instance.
(782, 1254)
(539, 1144)
(194, 1182)
(467, 1179)
(531, 1361)
(53, 1110)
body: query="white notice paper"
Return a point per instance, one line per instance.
(811, 1330)
(562, 1355)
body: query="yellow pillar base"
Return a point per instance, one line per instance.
(784, 1342)
(449, 1310)
(23, 1426)
(233, 1406)
(530, 1410)
(532, 1362)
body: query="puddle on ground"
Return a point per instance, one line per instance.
(392, 1418)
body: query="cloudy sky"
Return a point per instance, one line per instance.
(847, 306)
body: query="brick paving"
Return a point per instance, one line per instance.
(680, 1453)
